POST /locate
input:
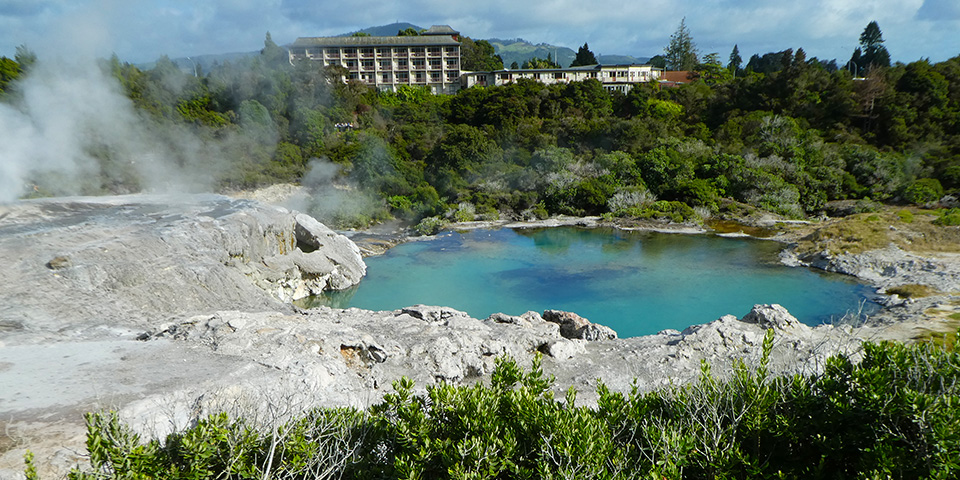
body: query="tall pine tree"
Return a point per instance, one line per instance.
(735, 61)
(584, 57)
(871, 53)
(681, 52)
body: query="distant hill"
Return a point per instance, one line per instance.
(621, 60)
(519, 50)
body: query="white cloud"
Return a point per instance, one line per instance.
(940, 10)
(143, 30)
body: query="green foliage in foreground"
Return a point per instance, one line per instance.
(895, 414)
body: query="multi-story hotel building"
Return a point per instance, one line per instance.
(431, 59)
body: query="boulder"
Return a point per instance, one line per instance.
(529, 319)
(771, 316)
(433, 314)
(564, 349)
(574, 326)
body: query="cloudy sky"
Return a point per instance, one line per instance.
(142, 30)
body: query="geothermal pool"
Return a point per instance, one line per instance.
(637, 283)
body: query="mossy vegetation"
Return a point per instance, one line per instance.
(912, 290)
(896, 414)
(912, 230)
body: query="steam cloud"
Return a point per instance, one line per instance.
(71, 130)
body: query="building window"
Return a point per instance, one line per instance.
(419, 63)
(435, 63)
(593, 74)
(434, 50)
(368, 64)
(536, 76)
(385, 63)
(402, 63)
(434, 76)
(451, 49)
(418, 77)
(417, 51)
(386, 78)
(403, 77)
(504, 76)
(452, 63)
(558, 75)
(366, 51)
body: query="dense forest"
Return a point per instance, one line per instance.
(785, 134)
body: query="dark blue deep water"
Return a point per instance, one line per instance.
(638, 283)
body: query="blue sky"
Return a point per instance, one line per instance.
(142, 30)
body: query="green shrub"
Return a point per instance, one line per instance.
(949, 217)
(401, 205)
(676, 212)
(430, 226)
(906, 216)
(896, 414)
(923, 191)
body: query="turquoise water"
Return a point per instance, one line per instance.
(638, 283)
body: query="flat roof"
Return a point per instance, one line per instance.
(421, 40)
(581, 68)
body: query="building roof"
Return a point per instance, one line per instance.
(581, 68)
(440, 30)
(676, 76)
(373, 41)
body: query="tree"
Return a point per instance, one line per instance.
(25, 57)
(536, 63)
(584, 57)
(273, 55)
(658, 61)
(871, 52)
(514, 66)
(735, 61)
(9, 71)
(871, 40)
(711, 70)
(479, 56)
(681, 53)
(408, 32)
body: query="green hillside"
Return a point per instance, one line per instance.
(519, 50)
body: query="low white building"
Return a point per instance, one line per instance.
(619, 78)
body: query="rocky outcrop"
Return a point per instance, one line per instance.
(139, 260)
(887, 267)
